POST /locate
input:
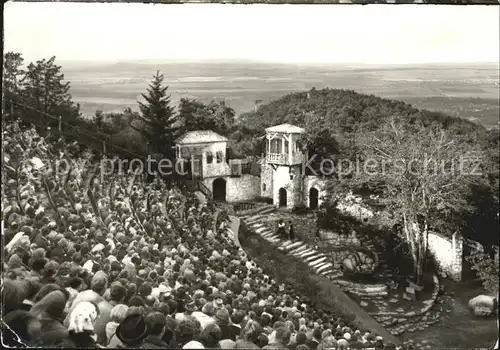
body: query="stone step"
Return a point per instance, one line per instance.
(268, 210)
(304, 252)
(313, 257)
(316, 262)
(336, 275)
(257, 224)
(315, 268)
(327, 272)
(293, 245)
(311, 253)
(323, 267)
(273, 239)
(267, 231)
(267, 234)
(253, 217)
(272, 236)
(253, 220)
(260, 229)
(252, 223)
(299, 249)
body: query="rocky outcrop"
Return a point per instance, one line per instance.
(483, 305)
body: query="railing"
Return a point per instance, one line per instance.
(284, 158)
(277, 158)
(204, 189)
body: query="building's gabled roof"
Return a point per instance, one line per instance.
(200, 136)
(286, 128)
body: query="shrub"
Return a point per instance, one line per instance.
(486, 268)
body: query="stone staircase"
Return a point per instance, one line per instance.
(262, 221)
(318, 262)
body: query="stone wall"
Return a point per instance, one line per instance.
(266, 176)
(353, 259)
(339, 240)
(447, 253)
(238, 189)
(244, 188)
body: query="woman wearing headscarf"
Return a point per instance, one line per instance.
(81, 326)
(50, 312)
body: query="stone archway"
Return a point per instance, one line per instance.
(313, 198)
(219, 189)
(282, 197)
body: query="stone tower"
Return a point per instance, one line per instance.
(281, 174)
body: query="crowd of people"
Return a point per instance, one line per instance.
(115, 261)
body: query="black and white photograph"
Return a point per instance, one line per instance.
(250, 176)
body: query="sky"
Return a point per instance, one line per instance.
(390, 34)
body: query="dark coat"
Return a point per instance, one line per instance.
(53, 333)
(312, 344)
(80, 340)
(154, 342)
(229, 332)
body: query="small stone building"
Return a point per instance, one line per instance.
(203, 155)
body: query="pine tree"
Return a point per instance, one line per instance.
(157, 117)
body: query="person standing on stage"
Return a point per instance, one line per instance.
(291, 231)
(281, 229)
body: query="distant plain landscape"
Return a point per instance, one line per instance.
(468, 90)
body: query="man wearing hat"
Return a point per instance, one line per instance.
(130, 333)
(222, 319)
(189, 308)
(218, 303)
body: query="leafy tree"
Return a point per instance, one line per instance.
(128, 118)
(157, 117)
(46, 90)
(426, 177)
(191, 114)
(99, 119)
(12, 75)
(216, 116)
(223, 116)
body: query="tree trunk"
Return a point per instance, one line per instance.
(417, 240)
